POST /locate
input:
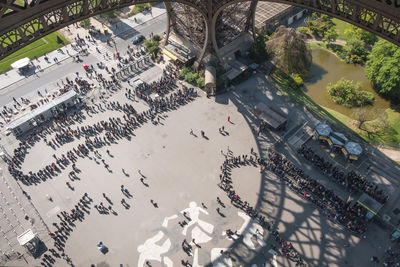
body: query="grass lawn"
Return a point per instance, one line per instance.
(340, 27)
(389, 137)
(139, 8)
(37, 48)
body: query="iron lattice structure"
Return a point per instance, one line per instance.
(188, 22)
(217, 20)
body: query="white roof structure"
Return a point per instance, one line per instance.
(23, 62)
(39, 110)
(25, 237)
(137, 83)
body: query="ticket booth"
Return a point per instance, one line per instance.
(29, 241)
(371, 205)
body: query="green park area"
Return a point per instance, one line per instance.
(368, 103)
(36, 49)
(384, 130)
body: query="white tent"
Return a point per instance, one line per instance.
(29, 240)
(23, 62)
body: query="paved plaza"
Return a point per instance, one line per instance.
(181, 173)
(171, 174)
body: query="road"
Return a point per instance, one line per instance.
(49, 78)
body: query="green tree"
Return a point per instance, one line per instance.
(258, 51)
(368, 37)
(304, 30)
(290, 52)
(356, 47)
(319, 24)
(330, 36)
(153, 47)
(383, 68)
(347, 93)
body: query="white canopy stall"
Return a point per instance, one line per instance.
(21, 63)
(29, 241)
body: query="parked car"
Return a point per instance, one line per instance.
(138, 39)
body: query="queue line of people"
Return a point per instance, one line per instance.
(352, 180)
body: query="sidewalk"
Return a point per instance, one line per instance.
(71, 32)
(13, 76)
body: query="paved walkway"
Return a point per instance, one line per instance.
(392, 153)
(338, 42)
(182, 172)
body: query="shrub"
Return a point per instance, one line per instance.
(85, 23)
(183, 72)
(345, 92)
(192, 77)
(297, 79)
(356, 50)
(200, 82)
(305, 30)
(157, 38)
(139, 8)
(319, 24)
(152, 46)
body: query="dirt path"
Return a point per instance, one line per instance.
(338, 42)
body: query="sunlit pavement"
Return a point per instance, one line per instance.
(182, 171)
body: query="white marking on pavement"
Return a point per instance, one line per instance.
(200, 236)
(151, 251)
(167, 219)
(196, 258)
(194, 213)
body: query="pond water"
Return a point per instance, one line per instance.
(327, 68)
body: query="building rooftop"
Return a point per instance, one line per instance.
(268, 10)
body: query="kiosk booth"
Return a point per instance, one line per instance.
(29, 241)
(371, 205)
(337, 141)
(352, 150)
(21, 65)
(322, 132)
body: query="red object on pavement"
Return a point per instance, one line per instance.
(85, 66)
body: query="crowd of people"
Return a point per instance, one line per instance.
(352, 217)
(63, 229)
(114, 128)
(66, 127)
(231, 162)
(352, 180)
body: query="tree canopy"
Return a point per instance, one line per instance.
(345, 92)
(258, 51)
(368, 37)
(319, 23)
(383, 68)
(330, 36)
(290, 52)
